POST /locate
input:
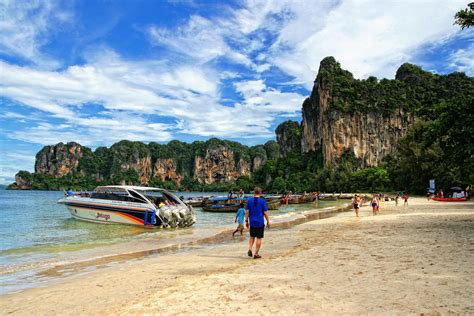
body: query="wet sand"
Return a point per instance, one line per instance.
(415, 259)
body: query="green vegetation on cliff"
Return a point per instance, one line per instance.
(133, 162)
(439, 146)
(413, 90)
(288, 135)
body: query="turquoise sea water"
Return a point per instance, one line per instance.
(35, 230)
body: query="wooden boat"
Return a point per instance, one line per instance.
(440, 199)
(293, 199)
(223, 204)
(345, 196)
(327, 197)
(308, 198)
(195, 201)
(273, 204)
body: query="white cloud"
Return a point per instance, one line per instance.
(25, 26)
(227, 36)
(12, 115)
(200, 39)
(14, 160)
(130, 91)
(95, 132)
(266, 100)
(463, 60)
(367, 37)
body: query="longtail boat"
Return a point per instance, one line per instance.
(223, 204)
(273, 204)
(440, 199)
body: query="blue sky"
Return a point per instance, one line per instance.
(97, 72)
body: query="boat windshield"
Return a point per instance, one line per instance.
(116, 194)
(159, 197)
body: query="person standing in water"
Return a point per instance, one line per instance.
(239, 217)
(255, 216)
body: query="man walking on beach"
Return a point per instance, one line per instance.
(256, 211)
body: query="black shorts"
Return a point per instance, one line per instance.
(256, 232)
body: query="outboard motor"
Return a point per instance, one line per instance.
(166, 215)
(190, 216)
(176, 218)
(183, 215)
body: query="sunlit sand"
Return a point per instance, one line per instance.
(415, 259)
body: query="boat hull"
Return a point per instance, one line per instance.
(108, 217)
(449, 199)
(226, 208)
(274, 205)
(112, 214)
(294, 201)
(194, 203)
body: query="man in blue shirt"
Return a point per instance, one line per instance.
(257, 210)
(240, 218)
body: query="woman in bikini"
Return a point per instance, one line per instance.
(375, 205)
(356, 204)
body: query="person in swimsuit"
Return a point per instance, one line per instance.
(375, 205)
(355, 204)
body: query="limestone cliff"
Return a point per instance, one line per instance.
(59, 160)
(165, 169)
(23, 180)
(334, 124)
(288, 136)
(219, 165)
(136, 163)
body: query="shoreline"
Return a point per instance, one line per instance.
(297, 261)
(46, 271)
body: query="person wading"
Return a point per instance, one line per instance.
(256, 212)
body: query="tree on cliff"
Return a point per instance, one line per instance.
(289, 137)
(465, 17)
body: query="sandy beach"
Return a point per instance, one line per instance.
(407, 260)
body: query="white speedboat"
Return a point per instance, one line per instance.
(149, 207)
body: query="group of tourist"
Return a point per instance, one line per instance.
(358, 200)
(233, 195)
(255, 214)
